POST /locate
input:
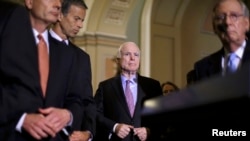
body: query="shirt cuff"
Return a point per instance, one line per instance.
(91, 136)
(110, 135)
(65, 131)
(71, 119)
(114, 127)
(20, 123)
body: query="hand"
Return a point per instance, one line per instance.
(56, 117)
(122, 130)
(80, 136)
(37, 127)
(141, 133)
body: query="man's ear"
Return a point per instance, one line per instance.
(247, 24)
(60, 17)
(28, 3)
(117, 60)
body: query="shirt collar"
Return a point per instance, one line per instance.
(239, 52)
(133, 79)
(44, 34)
(56, 36)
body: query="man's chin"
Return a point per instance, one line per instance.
(228, 38)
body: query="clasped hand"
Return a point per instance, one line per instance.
(47, 122)
(122, 130)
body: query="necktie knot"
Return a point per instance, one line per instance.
(64, 42)
(232, 56)
(39, 36)
(128, 82)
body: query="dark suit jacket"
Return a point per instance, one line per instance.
(112, 107)
(211, 65)
(89, 108)
(20, 90)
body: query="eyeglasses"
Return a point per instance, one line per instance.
(233, 17)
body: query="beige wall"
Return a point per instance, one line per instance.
(107, 27)
(198, 39)
(181, 34)
(172, 34)
(166, 41)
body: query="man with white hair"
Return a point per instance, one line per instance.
(119, 119)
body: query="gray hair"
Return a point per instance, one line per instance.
(242, 4)
(119, 52)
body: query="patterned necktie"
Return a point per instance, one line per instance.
(43, 59)
(129, 98)
(232, 63)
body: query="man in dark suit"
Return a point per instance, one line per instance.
(230, 23)
(27, 112)
(69, 23)
(115, 121)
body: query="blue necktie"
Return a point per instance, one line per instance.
(232, 63)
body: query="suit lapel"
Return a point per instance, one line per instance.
(117, 85)
(53, 63)
(59, 57)
(140, 94)
(246, 54)
(215, 62)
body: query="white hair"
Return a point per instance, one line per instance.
(123, 45)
